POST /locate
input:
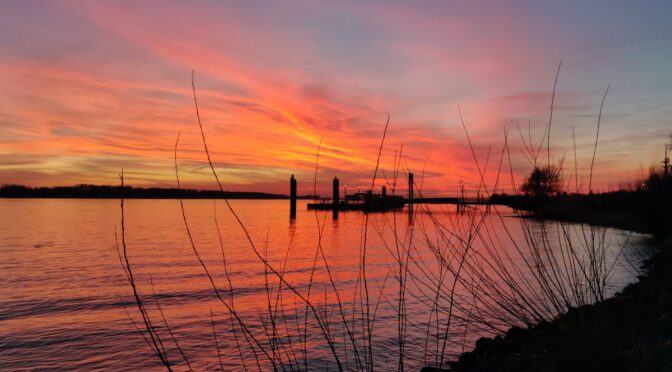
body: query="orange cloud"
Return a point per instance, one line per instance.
(271, 83)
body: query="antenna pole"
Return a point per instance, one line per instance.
(666, 163)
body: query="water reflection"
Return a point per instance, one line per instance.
(65, 297)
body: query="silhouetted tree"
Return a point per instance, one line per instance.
(543, 182)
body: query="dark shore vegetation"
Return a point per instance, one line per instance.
(645, 206)
(629, 332)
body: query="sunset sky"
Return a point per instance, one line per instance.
(90, 87)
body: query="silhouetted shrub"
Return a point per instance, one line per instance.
(543, 182)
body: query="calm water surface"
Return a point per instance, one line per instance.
(65, 301)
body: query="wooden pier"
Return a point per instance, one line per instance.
(366, 202)
(370, 201)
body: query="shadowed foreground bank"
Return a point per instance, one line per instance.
(631, 331)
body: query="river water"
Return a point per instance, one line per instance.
(66, 303)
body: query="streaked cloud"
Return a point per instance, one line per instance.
(88, 88)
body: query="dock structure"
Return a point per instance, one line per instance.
(292, 197)
(361, 201)
(368, 201)
(461, 202)
(371, 201)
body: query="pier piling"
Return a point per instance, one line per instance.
(336, 197)
(292, 197)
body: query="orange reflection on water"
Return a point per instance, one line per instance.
(66, 297)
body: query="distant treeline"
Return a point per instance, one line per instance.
(114, 192)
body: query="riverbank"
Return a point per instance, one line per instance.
(639, 211)
(631, 331)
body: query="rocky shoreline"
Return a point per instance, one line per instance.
(631, 331)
